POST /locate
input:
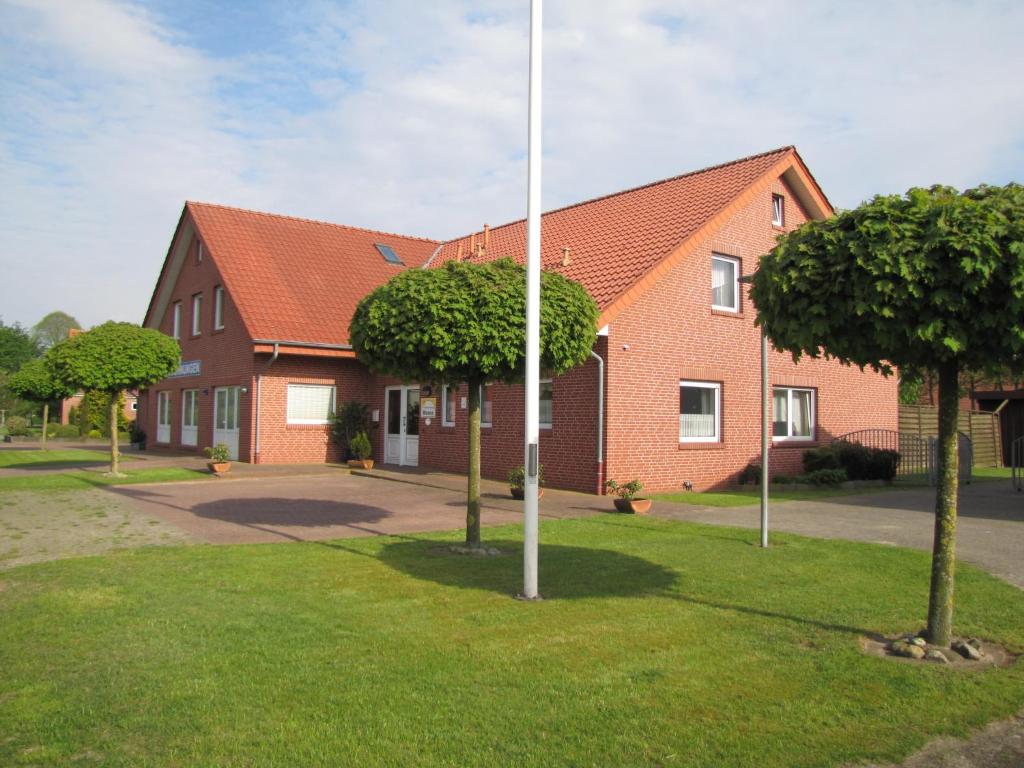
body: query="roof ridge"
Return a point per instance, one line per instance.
(202, 204)
(706, 169)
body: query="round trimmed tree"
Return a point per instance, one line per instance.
(111, 358)
(35, 382)
(466, 323)
(933, 279)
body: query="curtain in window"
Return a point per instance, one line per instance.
(450, 395)
(310, 404)
(723, 283)
(801, 414)
(780, 413)
(697, 412)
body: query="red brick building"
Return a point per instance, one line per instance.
(261, 306)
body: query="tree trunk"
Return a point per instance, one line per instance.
(46, 418)
(473, 491)
(114, 453)
(940, 597)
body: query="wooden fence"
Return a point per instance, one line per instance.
(981, 426)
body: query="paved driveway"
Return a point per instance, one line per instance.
(990, 531)
(330, 506)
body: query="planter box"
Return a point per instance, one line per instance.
(219, 467)
(517, 493)
(633, 506)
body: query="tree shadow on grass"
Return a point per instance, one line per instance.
(565, 572)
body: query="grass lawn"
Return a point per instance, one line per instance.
(746, 496)
(660, 643)
(69, 481)
(991, 473)
(55, 459)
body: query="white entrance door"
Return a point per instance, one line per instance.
(225, 418)
(190, 417)
(402, 417)
(163, 417)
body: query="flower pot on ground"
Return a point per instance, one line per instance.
(517, 481)
(220, 458)
(627, 500)
(361, 450)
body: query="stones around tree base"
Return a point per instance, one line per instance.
(934, 654)
(968, 650)
(907, 649)
(481, 551)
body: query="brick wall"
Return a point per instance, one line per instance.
(672, 334)
(226, 357)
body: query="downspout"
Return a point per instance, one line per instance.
(600, 421)
(259, 382)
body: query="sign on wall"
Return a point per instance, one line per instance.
(187, 368)
(428, 407)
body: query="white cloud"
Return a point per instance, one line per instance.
(411, 117)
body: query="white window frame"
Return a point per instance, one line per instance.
(483, 399)
(176, 321)
(732, 260)
(333, 405)
(778, 210)
(789, 436)
(448, 418)
(199, 251)
(197, 314)
(218, 308)
(717, 387)
(540, 423)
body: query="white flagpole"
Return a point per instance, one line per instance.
(531, 456)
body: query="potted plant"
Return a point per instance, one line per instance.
(361, 451)
(220, 458)
(627, 500)
(517, 479)
(137, 436)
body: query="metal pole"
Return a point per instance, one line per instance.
(531, 457)
(765, 426)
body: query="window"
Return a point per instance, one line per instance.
(486, 407)
(190, 408)
(388, 253)
(449, 400)
(176, 325)
(778, 210)
(199, 252)
(546, 397)
(724, 274)
(197, 311)
(218, 308)
(700, 411)
(793, 414)
(310, 404)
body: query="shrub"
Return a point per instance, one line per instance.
(68, 430)
(359, 446)
(783, 479)
(94, 433)
(17, 426)
(625, 490)
(751, 474)
(218, 453)
(351, 419)
(823, 477)
(52, 429)
(820, 458)
(859, 461)
(517, 476)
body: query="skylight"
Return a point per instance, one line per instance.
(388, 253)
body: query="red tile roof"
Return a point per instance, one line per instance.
(296, 279)
(615, 240)
(300, 280)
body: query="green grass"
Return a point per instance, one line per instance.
(991, 473)
(55, 459)
(659, 643)
(743, 497)
(68, 481)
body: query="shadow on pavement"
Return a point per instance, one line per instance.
(565, 572)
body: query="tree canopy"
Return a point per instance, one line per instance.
(53, 329)
(911, 280)
(466, 322)
(16, 347)
(34, 381)
(931, 280)
(111, 358)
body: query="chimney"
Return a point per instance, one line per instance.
(487, 237)
(566, 261)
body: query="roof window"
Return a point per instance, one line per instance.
(388, 253)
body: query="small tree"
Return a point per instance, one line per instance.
(16, 347)
(111, 358)
(932, 280)
(35, 382)
(466, 323)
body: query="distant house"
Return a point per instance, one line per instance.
(261, 305)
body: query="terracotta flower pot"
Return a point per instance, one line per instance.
(361, 463)
(219, 467)
(633, 506)
(517, 493)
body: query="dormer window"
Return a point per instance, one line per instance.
(778, 211)
(388, 253)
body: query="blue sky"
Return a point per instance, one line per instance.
(411, 116)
